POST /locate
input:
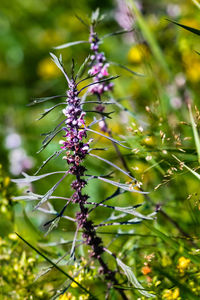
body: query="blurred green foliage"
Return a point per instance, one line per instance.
(156, 124)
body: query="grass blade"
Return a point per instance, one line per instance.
(188, 168)
(195, 132)
(175, 245)
(150, 38)
(53, 264)
(69, 44)
(191, 29)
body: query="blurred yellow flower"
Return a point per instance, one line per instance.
(67, 296)
(192, 65)
(47, 69)
(190, 22)
(137, 53)
(6, 181)
(79, 279)
(149, 140)
(171, 295)
(183, 263)
(12, 236)
(83, 297)
(193, 72)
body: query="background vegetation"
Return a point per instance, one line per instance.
(153, 117)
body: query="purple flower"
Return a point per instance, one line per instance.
(99, 66)
(75, 128)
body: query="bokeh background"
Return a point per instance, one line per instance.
(153, 117)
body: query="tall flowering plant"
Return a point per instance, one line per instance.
(75, 147)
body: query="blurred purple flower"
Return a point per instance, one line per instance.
(13, 140)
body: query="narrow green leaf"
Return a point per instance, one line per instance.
(126, 68)
(48, 110)
(109, 138)
(149, 37)
(48, 139)
(113, 165)
(128, 210)
(58, 63)
(188, 168)
(126, 187)
(191, 29)
(195, 132)
(82, 21)
(174, 244)
(69, 44)
(116, 33)
(83, 67)
(105, 114)
(99, 81)
(53, 224)
(196, 3)
(132, 114)
(56, 153)
(44, 99)
(55, 266)
(29, 179)
(50, 192)
(95, 16)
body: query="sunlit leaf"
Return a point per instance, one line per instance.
(29, 179)
(132, 279)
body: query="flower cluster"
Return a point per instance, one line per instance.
(171, 294)
(99, 71)
(99, 68)
(75, 130)
(76, 150)
(183, 264)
